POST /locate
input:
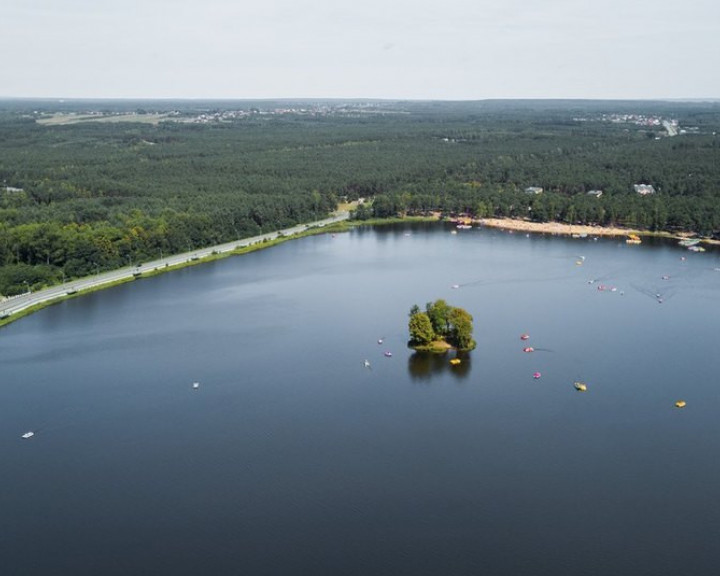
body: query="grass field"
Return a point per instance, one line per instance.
(61, 118)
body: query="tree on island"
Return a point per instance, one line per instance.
(439, 314)
(440, 327)
(421, 330)
(461, 329)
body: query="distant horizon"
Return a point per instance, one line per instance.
(353, 99)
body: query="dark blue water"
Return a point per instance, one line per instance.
(293, 458)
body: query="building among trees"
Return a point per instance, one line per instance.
(644, 189)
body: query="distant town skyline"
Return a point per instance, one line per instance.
(396, 49)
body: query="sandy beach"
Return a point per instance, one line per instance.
(577, 229)
(555, 227)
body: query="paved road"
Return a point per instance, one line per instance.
(18, 303)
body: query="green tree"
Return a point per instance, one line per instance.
(383, 207)
(316, 199)
(421, 330)
(438, 312)
(362, 212)
(482, 210)
(461, 330)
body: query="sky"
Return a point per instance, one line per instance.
(392, 49)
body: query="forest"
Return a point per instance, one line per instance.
(87, 186)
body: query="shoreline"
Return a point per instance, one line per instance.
(560, 229)
(30, 303)
(17, 307)
(555, 227)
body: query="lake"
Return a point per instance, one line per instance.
(292, 457)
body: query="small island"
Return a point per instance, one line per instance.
(440, 327)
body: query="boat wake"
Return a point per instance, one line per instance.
(518, 280)
(658, 294)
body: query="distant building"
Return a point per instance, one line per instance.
(596, 193)
(533, 190)
(644, 189)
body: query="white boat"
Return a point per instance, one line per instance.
(689, 242)
(196, 385)
(28, 435)
(366, 363)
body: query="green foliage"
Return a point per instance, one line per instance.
(362, 212)
(20, 278)
(421, 330)
(439, 314)
(441, 322)
(384, 207)
(461, 323)
(87, 196)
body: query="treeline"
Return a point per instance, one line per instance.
(83, 197)
(684, 172)
(657, 212)
(37, 254)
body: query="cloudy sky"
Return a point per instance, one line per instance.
(415, 49)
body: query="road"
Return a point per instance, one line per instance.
(18, 303)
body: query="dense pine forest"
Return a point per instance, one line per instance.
(89, 186)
